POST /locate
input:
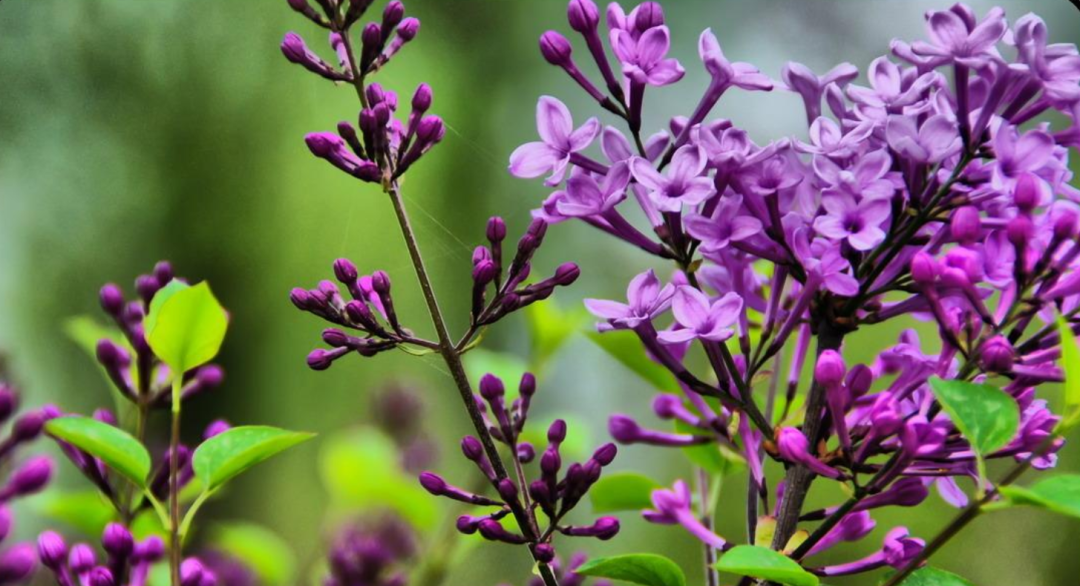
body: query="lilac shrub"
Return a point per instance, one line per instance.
(933, 190)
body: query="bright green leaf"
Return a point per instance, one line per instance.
(159, 299)
(260, 549)
(227, 454)
(988, 417)
(622, 491)
(1070, 362)
(346, 462)
(85, 510)
(624, 346)
(640, 568)
(929, 576)
(1060, 494)
(187, 328)
(116, 448)
(764, 563)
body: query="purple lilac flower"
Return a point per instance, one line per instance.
(559, 140)
(682, 185)
(701, 318)
(645, 300)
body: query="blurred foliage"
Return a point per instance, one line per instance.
(133, 130)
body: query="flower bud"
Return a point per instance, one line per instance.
(998, 355)
(527, 387)
(5, 522)
(550, 462)
(433, 483)
(430, 130)
(371, 37)
(192, 572)
(9, 401)
(924, 269)
(472, 448)
(117, 540)
(335, 337)
(1020, 230)
(647, 16)
(859, 379)
(392, 15)
(16, 563)
(507, 490)
(965, 225)
(491, 388)
(319, 359)
(31, 477)
(82, 558)
(555, 48)
(345, 271)
(484, 272)
(51, 549)
(150, 549)
(830, 369)
(566, 274)
(605, 454)
(557, 431)
(216, 427)
(421, 99)
(408, 28)
(583, 15)
(496, 229)
(1027, 192)
(467, 524)
(300, 298)
(544, 553)
(1065, 224)
(624, 429)
(210, 376)
(100, 577)
(112, 299)
(525, 452)
(163, 272)
(28, 426)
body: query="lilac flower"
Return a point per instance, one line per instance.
(859, 223)
(891, 89)
(827, 138)
(727, 224)
(558, 141)
(643, 57)
(801, 80)
(965, 42)
(646, 300)
(896, 552)
(701, 318)
(683, 184)
(1020, 154)
(1056, 66)
(585, 197)
(726, 73)
(825, 264)
(673, 506)
(931, 142)
(867, 178)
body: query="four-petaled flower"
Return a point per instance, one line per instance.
(857, 222)
(725, 225)
(646, 300)
(683, 184)
(701, 318)
(558, 140)
(585, 197)
(643, 57)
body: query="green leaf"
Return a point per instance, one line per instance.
(116, 448)
(260, 549)
(84, 510)
(550, 327)
(640, 568)
(227, 454)
(624, 346)
(766, 564)
(988, 417)
(929, 576)
(159, 299)
(1070, 363)
(346, 462)
(622, 491)
(1060, 494)
(187, 327)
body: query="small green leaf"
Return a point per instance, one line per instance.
(929, 576)
(624, 346)
(187, 328)
(766, 564)
(988, 417)
(116, 448)
(1060, 494)
(640, 568)
(227, 454)
(159, 299)
(1070, 363)
(622, 491)
(260, 549)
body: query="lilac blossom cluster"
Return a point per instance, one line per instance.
(17, 560)
(372, 553)
(126, 560)
(934, 191)
(548, 493)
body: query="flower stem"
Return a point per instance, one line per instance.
(174, 483)
(452, 358)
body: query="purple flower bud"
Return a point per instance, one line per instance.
(859, 380)
(192, 572)
(105, 416)
(300, 298)
(335, 337)
(28, 426)
(526, 452)
(16, 563)
(566, 274)
(1065, 224)
(472, 448)
(433, 483)
(210, 376)
(9, 401)
(1020, 230)
(527, 387)
(110, 355)
(112, 299)
(31, 477)
(430, 130)
(320, 359)
(216, 427)
(345, 271)
(544, 553)
(998, 355)
(550, 462)
(468, 524)
(1027, 192)
(100, 576)
(392, 14)
(371, 36)
(82, 558)
(647, 16)
(380, 282)
(830, 369)
(605, 454)
(408, 28)
(507, 490)
(496, 229)
(117, 540)
(163, 272)
(421, 99)
(624, 429)
(5, 522)
(583, 15)
(299, 5)
(924, 269)
(555, 48)
(557, 431)
(51, 549)
(794, 447)
(150, 549)
(966, 224)
(491, 529)
(491, 388)
(484, 272)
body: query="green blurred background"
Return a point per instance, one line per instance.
(135, 130)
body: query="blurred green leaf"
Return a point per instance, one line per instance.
(1060, 494)
(622, 491)
(550, 327)
(710, 456)
(929, 576)
(361, 470)
(187, 327)
(86, 331)
(116, 448)
(1070, 362)
(640, 568)
(84, 510)
(222, 457)
(147, 523)
(624, 346)
(508, 367)
(262, 550)
(764, 563)
(988, 417)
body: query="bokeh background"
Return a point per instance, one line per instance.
(136, 130)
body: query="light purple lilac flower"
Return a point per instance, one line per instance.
(559, 140)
